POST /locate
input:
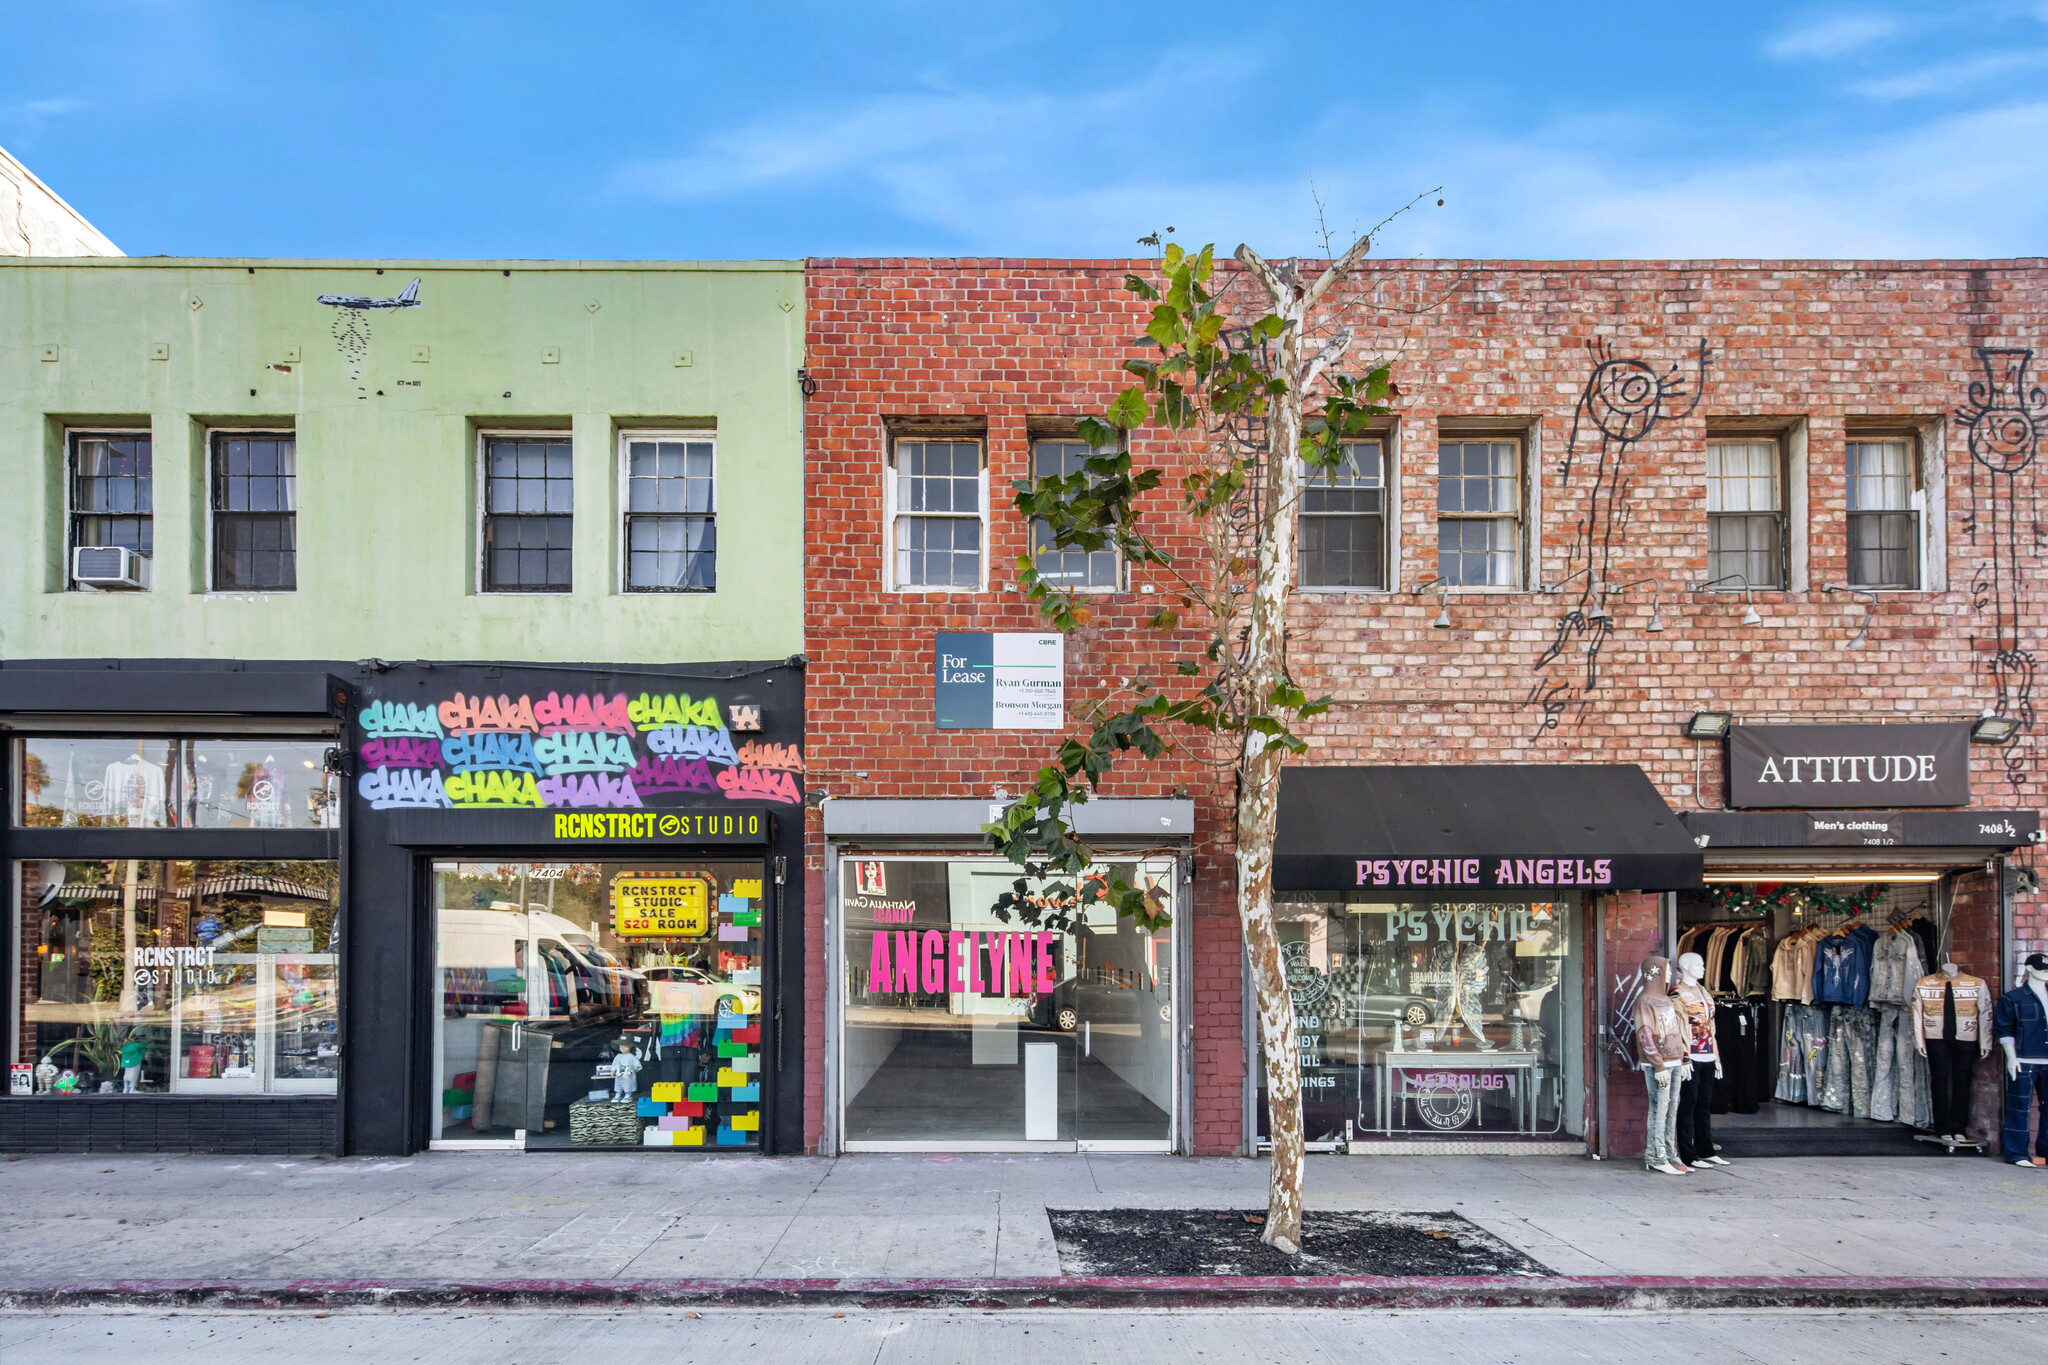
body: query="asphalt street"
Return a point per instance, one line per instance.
(1036, 1337)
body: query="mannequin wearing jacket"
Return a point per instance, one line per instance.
(2021, 1022)
(1703, 1051)
(1662, 1042)
(1951, 1016)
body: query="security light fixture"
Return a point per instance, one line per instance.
(1443, 610)
(1709, 724)
(1656, 599)
(1992, 728)
(1856, 641)
(1749, 614)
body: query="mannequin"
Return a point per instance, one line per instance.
(132, 1053)
(2022, 1027)
(1951, 1017)
(1696, 1092)
(1662, 1041)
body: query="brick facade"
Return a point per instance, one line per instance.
(1815, 353)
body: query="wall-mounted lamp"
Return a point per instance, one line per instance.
(1992, 728)
(1443, 610)
(1749, 615)
(1656, 600)
(1709, 724)
(1856, 641)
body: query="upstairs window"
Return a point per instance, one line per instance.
(671, 514)
(1344, 521)
(111, 501)
(255, 511)
(1073, 568)
(1479, 513)
(529, 506)
(1884, 516)
(1745, 514)
(937, 510)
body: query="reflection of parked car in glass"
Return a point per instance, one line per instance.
(1361, 995)
(1108, 985)
(750, 999)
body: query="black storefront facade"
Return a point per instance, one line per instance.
(364, 908)
(1445, 932)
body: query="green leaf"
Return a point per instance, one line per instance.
(1129, 410)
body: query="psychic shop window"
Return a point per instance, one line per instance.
(176, 977)
(1433, 1019)
(962, 1027)
(176, 782)
(598, 1004)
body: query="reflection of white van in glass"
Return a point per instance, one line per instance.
(533, 964)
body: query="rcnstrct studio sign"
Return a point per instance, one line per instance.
(1848, 766)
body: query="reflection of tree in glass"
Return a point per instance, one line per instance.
(35, 775)
(245, 785)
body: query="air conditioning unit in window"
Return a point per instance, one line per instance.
(108, 566)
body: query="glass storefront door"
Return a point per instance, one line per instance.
(598, 1004)
(963, 1030)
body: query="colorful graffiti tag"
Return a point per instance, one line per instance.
(577, 752)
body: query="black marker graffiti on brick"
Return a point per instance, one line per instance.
(2005, 419)
(1624, 401)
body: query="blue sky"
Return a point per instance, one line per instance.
(626, 131)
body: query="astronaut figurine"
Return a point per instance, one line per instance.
(46, 1076)
(625, 1073)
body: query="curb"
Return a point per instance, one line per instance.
(1649, 1292)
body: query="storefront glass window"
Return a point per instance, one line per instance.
(964, 1029)
(1434, 1019)
(147, 977)
(177, 783)
(599, 1004)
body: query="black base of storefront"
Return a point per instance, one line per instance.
(240, 1126)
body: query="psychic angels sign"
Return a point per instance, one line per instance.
(568, 751)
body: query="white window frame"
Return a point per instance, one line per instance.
(1123, 568)
(1782, 475)
(1390, 521)
(481, 467)
(213, 589)
(1920, 501)
(67, 466)
(1523, 519)
(622, 493)
(890, 514)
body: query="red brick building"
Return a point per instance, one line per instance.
(1612, 496)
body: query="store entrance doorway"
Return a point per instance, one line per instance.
(601, 1004)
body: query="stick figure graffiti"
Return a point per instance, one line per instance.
(2006, 421)
(1622, 404)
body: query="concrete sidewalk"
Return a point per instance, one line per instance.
(90, 1224)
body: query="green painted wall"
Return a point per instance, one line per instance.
(387, 533)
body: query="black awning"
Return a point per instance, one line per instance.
(1480, 827)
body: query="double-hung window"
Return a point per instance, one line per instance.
(111, 504)
(671, 513)
(1069, 568)
(255, 511)
(528, 513)
(1884, 520)
(936, 513)
(1479, 513)
(1745, 514)
(1344, 521)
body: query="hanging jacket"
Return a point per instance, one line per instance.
(1841, 967)
(2020, 1017)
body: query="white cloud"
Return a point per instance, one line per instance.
(1954, 77)
(1831, 36)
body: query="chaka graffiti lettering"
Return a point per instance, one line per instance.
(654, 713)
(693, 741)
(382, 719)
(759, 784)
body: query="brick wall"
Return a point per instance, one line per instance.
(1817, 351)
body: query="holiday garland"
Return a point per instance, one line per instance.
(1759, 897)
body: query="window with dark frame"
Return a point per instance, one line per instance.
(255, 511)
(937, 531)
(1746, 513)
(1884, 524)
(671, 515)
(1479, 513)
(1072, 568)
(111, 498)
(529, 506)
(1344, 521)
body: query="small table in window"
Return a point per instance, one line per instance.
(1449, 1108)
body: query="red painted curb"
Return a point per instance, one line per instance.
(1573, 1291)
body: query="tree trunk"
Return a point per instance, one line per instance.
(1259, 795)
(1257, 807)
